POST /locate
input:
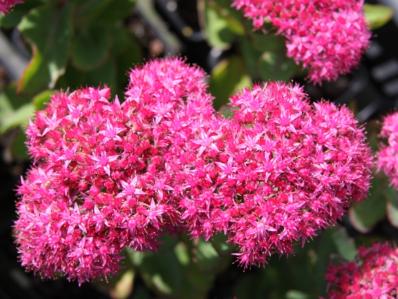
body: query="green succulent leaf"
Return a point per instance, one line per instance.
(40, 100)
(180, 268)
(392, 206)
(123, 286)
(265, 57)
(50, 45)
(301, 274)
(377, 15)
(366, 214)
(228, 77)
(105, 74)
(127, 52)
(90, 12)
(91, 47)
(10, 103)
(344, 244)
(19, 117)
(222, 24)
(18, 147)
(294, 294)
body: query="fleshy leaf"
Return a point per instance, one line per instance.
(228, 77)
(392, 206)
(91, 47)
(50, 45)
(221, 23)
(344, 244)
(366, 214)
(377, 15)
(19, 117)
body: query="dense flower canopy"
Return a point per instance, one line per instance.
(374, 274)
(6, 5)
(326, 36)
(388, 155)
(108, 175)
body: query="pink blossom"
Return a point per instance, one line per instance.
(99, 182)
(373, 274)
(326, 36)
(276, 173)
(387, 158)
(108, 175)
(7, 5)
(71, 217)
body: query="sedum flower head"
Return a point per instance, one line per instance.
(99, 181)
(276, 173)
(374, 274)
(387, 158)
(326, 36)
(7, 5)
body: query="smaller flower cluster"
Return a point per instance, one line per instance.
(6, 5)
(387, 160)
(326, 36)
(374, 274)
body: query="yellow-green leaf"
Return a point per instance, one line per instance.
(221, 24)
(40, 100)
(20, 117)
(377, 15)
(228, 77)
(48, 30)
(124, 285)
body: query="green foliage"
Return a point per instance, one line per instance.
(17, 146)
(261, 56)
(222, 23)
(18, 117)
(392, 207)
(91, 47)
(365, 215)
(40, 100)
(228, 77)
(180, 268)
(50, 45)
(298, 276)
(73, 44)
(344, 244)
(15, 112)
(265, 57)
(377, 15)
(15, 109)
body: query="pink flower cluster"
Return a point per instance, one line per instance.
(374, 274)
(275, 173)
(108, 176)
(387, 159)
(99, 181)
(326, 36)
(6, 5)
